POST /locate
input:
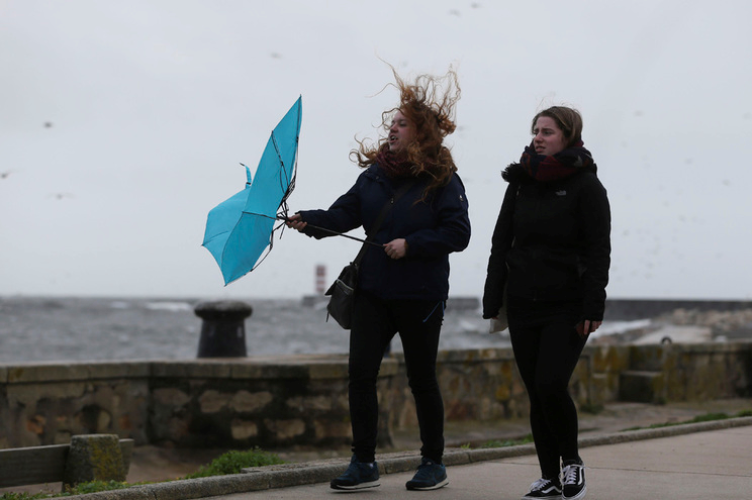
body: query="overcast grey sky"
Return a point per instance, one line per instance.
(122, 124)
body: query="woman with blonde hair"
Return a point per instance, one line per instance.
(548, 270)
(404, 284)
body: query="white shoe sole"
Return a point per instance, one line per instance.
(434, 487)
(360, 486)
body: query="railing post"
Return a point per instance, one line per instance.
(94, 457)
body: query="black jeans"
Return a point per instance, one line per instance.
(546, 348)
(375, 323)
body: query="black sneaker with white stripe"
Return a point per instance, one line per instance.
(544, 489)
(573, 482)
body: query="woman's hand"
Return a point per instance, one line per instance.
(295, 221)
(586, 327)
(396, 249)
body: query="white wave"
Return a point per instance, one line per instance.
(169, 306)
(469, 326)
(619, 327)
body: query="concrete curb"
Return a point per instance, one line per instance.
(288, 475)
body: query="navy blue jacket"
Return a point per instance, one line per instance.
(432, 228)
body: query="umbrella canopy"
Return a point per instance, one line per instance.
(239, 230)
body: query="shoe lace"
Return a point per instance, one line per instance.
(540, 484)
(571, 473)
(352, 470)
(356, 468)
(425, 470)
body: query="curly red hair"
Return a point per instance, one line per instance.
(428, 103)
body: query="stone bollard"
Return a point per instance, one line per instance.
(223, 329)
(94, 457)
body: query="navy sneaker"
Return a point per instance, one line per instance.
(358, 476)
(573, 482)
(430, 476)
(544, 489)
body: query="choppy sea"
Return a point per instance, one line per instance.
(99, 329)
(38, 329)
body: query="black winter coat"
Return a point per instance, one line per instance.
(432, 228)
(551, 242)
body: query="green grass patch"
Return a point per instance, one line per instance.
(79, 489)
(494, 443)
(228, 463)
(233, 461)
(94, 487)
(708, 417)
(593, 409)
(24, 496)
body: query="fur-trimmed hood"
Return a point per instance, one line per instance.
(515, 173)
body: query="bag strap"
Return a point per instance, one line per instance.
(401, 191)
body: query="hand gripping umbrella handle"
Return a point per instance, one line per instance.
(337, 233)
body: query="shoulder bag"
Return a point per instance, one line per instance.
(342, 291)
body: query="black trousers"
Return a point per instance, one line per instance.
(375, 324)
(546, 348)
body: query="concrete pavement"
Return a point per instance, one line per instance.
(714, 464)
(711, 460)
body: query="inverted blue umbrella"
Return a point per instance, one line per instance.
(240, 229)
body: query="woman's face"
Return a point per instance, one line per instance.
(548, 138)
(401, 133)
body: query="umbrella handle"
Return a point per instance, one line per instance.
(335, 233)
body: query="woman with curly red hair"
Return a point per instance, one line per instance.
(402, 287)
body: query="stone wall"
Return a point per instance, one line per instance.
(302, 400)
(265, 402)
(689, 372)
(479, 384)
(484, 384)
(47, 403)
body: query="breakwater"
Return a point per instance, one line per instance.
(278, 401)
(633, 309)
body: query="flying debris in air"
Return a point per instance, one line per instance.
(60, 196)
